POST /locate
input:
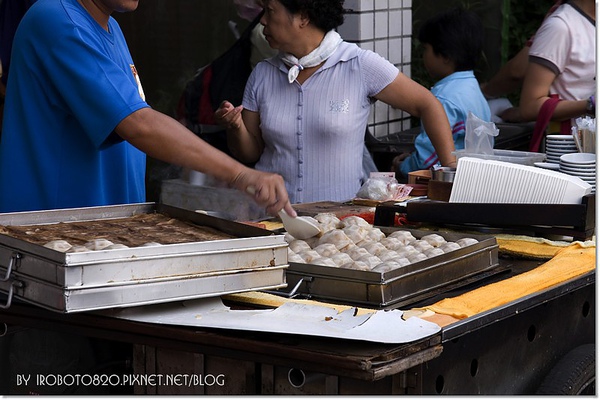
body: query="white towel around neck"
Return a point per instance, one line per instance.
(327, 47)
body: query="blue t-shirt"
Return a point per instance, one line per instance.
(71, 83)
(459, 93)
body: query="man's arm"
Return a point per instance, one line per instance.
(163, 138)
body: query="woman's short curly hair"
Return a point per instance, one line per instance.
(324, 14)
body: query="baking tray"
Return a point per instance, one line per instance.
(402, 286)
(249, 259)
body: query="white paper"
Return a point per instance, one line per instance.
(497, 107)
(290, 318)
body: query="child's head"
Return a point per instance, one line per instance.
(456, 35)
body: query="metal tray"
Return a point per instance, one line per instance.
(401, 286)
(254, 259)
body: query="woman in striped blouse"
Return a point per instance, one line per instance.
(305, 111)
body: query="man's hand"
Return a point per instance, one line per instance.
(268, 190)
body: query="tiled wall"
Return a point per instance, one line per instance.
(384, 26)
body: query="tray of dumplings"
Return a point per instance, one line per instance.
(82, 259)
(353, 262)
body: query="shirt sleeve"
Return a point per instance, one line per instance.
(94, 78)
(552, 44)
(249, 99)
(377, 72)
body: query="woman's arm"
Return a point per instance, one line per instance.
(536, 90)
(510, 76)
(405, 94)
(244, 137)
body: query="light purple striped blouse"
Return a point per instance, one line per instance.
(314, 133)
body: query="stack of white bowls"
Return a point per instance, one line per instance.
(558, 145)
(582, 165)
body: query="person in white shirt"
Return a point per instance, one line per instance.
(560, 82)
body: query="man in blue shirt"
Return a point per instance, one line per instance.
(76, 126)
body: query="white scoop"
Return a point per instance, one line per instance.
(298, 227)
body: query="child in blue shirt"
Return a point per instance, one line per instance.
(452, 44)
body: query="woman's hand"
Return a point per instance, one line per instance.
(512, 114)
(228, 116)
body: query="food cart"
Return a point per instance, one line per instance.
(514, 348)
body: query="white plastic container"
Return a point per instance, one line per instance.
(512, 156)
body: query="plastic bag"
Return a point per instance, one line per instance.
(584, 132)
(479, 136)
(383, 187)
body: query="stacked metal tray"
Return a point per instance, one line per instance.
(249, 258)
(402, 286)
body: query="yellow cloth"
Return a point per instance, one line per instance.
(569, 262)
(529, 247)
(271, 300)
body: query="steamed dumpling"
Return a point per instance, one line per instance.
(386, 266)
(341, 258)
(356, 233)
(464, 242)
(389, 255)
(328, 221)
(450, 246)
(326, 249)
(375, 234)
(371, 260)
(116, 246)
(98, 244)
(434, 239)
(288, 238)
(361, 266)
(309, 255)
(374, 248)
(404, 236)
(151, 244)
(391, 243)
(298, 246)
(356, 252)
(336, 237)
(327, 218)
(421, 245)
(416, 257)
(295, 258)
(59, 245)
(326, 261)
(434, 251)
(78, 249)
(355, 220)
(313, 241)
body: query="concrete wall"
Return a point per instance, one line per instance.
(384, 26)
